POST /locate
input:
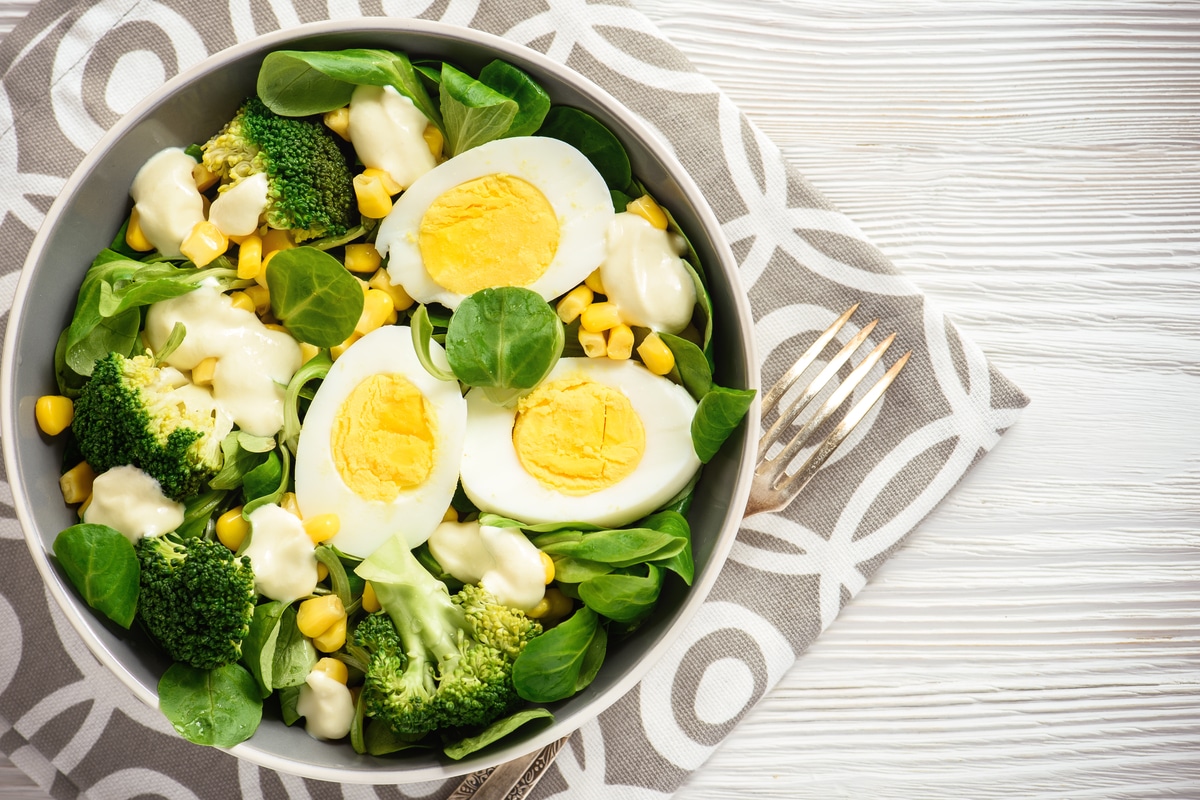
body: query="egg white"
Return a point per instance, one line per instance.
(365, 524)
(495, 481)
(570, 183)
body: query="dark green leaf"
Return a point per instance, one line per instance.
(532, 100)
(593, 659)
(258, 648)
(379, 739)
(622, 547)
(103, 567)
(218, 707)
(422, 334)
(264, 480)
(506, 338)
(691, 365)
(69, 381)
(620, 200)
(625, 598)
(289, 698)
(577, 570)
(495, 732)
(473, 112)
(314, 296)
(338, 579)
(238, 463)
(673, 521)
(594, 140)
(198, 511)
(548, 668)
(294, 655)
(719, 413)
(315, 369)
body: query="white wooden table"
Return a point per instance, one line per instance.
(1035, 167)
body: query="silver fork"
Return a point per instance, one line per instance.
(773, 486)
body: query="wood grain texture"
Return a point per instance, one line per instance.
(1035, 167)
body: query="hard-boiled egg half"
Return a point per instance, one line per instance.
(381, 444)
(527, 211)
(598, 441)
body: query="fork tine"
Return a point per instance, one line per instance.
(797, 407)
(834, 402)
(804, 362)
(790, 486)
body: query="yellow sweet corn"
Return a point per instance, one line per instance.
(260, 296)
(333, 668)
(322, 571)
(370, 602)
(373, 199)
(377, 306)
(389, 184)
(203, 177)
(242, 300)
(54, 413)
(316, 615)
(573, 304)
(338, 121)
(202, 373)
(362, 257)
(336, 351)
(595, 344)
(275, 239)
(204, 243)
(655, 354)
(554, 606)
(333, 639)
(250, 257)
(647, 209)
(600, 317)
(232, 528)
(322, 527)
(83, 507)
(134, 236)
(383, 282)
(433, 137)
(261, 277)
(288, 503)
(76, 483)
(308, 352)
(593, 282)
(620, 343)
(548, 566)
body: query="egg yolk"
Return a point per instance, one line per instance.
(578, 436)
(383, 438)
(497, 230)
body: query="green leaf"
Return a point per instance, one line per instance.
(315, 369)
(314, 296)
(474, 113)
(673, 521)
(495, 732)
(590, 137)
(69, 381)
(238, 463)
(338, 578)
(294, 655)
(264, 480)
(691, 366)
(625, 598)
(578, 570)
(289, 698)
(296, 83)
(532, 100)
(258, 648)
(549, 667)
(103, 567)
(218, 707)
(719, 413)
(622, 547)
(593, 659)
(506, 338)
(197, 512)
(380, 740)
(422, 334)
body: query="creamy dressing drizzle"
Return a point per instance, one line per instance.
(645, 276)
(500, 560)
(167, 201)
(281, 554)
(387, 132)
(132, 502)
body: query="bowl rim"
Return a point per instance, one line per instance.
(658, 149)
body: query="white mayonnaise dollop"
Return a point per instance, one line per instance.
(132, 502)
(167, 201)
(236, 210)
(281, 554)
(501, 560)
(326, 705)
(254, 363)
(387, 132)
(645, 276)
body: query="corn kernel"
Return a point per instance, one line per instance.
(373, 199)
(383, 282)
(275, 239)
(595, 344)
(333, 668)
(308, 352)
(362, 257)
(377, 306)
(332, 639)
(83, 507)
(647, 209)
(655, 354)
(242, 300)
(600, 317)
(389, 184)
(135, 237)
(322, 572)
(548, 566)
(288, 503)
(203, 176)
(593, 282)
(450, 516)
(250, 258)
(336, 351)
(338, 121)
(573, 304)
(322, 527)
(54, 413)
(232, 528)
(204, 243)
(620, 343)
(540, 610)
(202, 373)
(76, 483)
(433, 137)
(560, 605)
(261, 277)
(260, 296)
(370, 601)
(275, 326)
(315, 616)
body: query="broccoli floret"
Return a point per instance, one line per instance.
(437, 662)
(310, 189)
(196, 599)
(133, 412)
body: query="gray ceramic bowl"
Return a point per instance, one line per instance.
(91, 208)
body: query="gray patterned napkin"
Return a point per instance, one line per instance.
(72, 68)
